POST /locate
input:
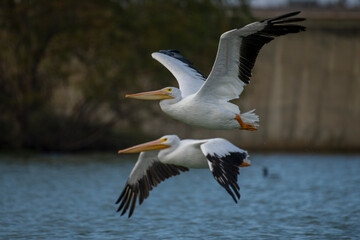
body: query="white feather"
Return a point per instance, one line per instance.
(219, 147)
(190, 81)
(144, 162)
(223, 82)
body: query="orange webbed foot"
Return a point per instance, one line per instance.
(243, 125)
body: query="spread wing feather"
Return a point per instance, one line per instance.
(189, 78)
(237, 53)
(147, 173)
(224, 160)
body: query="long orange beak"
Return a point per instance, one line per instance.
(152, 95)
(153, 145)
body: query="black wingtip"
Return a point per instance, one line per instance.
(170, 52)
(286, 15)
(177, 55)
(235, 200)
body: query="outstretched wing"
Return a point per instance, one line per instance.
(237, 54)
(224, 161)
(147, 173)
(189, 78)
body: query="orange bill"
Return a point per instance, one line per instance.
(153, 145)
(152, 95)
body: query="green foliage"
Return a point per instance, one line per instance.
(65, 65)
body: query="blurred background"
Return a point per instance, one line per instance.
(65, 67)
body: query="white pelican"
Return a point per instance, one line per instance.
(172, 156)
(204, 102)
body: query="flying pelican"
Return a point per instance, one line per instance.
(204, 102)
(168, 156)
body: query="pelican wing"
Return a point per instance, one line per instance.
(224, 160)
(189, 78)
(147, 173)
(237, 52)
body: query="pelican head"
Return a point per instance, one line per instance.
(161, 143)
(164, 93)
(171, 140)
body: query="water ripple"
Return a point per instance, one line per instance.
(72, 196)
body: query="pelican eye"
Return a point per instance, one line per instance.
(164, 140)
(168, 89)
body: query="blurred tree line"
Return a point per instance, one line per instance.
(65, 65)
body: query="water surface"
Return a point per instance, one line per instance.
(72, 197)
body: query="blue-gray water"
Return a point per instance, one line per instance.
(72, 197)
